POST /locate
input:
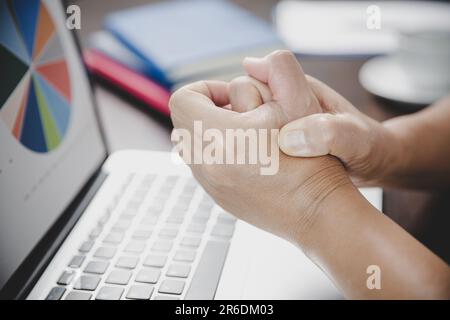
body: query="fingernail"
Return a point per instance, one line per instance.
(295, 143)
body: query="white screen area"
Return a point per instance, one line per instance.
(40, 174)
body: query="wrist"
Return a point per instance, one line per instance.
(396, 154)
(313, 196)
(338, 211)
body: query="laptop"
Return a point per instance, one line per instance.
(79, 223)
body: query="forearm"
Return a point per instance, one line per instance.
(349, 235)
(420, 147)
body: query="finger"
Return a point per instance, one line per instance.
(247, 93)
(198, 102)
(193, 108)
(320, 134)
(216, 91)
(287, 81)
(269, 115)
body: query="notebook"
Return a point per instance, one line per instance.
(127, 80)
(177, 41)
(107, 58)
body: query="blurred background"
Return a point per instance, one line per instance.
(387, 58)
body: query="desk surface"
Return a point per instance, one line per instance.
(425, 215)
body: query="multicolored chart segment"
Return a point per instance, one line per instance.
(35, 89)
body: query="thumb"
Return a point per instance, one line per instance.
(287, 81)
(320, 134)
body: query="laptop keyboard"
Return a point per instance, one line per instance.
(161, 237)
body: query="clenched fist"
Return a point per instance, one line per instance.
(288, 202)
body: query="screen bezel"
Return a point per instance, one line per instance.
(25, 276)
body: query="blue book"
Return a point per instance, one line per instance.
(182, 40)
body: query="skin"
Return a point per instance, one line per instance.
(312, 200)
(415, 157)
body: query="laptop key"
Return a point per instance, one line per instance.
(155, 261)
(109, 293)
(149, 220)
(76, 261)
(142, 234)
(203, 212)
(160, 297)
(196, 228)
(132, 208)
(184, 255)
(180, 210)
(119, 277)
(140, 292)
(85, 282)
(206, 277)
(97, 267)
(175, 219)
(171, 287)
(206, 204)
(127, 262)
(104, 219)
(193, 242)
(65, 278)
(178, 271)
(127, 216)
(56, 293)
(156, 207)
(95, 233)
(184, 199)
(226, 218)
(168, 233)
(86, 246)
(121, 225)
(148, 275)
(199, 219)
(135, 246)
(222, 230)
(162, 245)
(134, 204)
(114, 238)
(105, 252)
(78, 295)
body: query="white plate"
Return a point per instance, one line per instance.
(386, 78)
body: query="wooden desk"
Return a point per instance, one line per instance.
(425, 215)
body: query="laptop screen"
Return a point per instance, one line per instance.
(49, 136)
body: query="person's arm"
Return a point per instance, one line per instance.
(308, 201)
(423, 160)
(411, 151)
(349, 237)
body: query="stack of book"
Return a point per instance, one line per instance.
(152, 50)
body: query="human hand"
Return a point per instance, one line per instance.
(321, 121)
(288, 202)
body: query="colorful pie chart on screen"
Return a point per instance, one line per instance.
(35, 89)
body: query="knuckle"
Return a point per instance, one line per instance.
(240, 81)
(328, 126)
(241, 88)
(176, 99)
(282, 54)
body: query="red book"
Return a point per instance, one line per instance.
(137, 85)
